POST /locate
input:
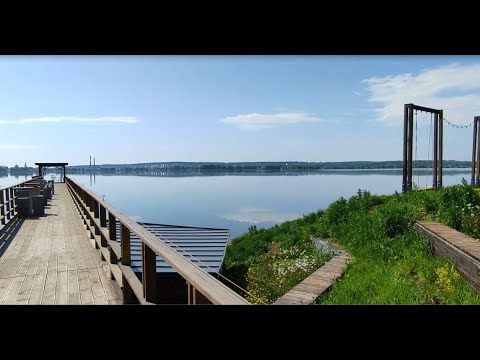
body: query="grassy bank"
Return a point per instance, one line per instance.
(392, 265)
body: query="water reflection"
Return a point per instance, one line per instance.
(256, 216)
(7, 180)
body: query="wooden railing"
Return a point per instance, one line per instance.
(93, 210)
(8, 204)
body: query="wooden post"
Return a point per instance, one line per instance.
(435, 149)
(405, 143)
(440, 149)
(7, 203)
(112, 231)
(128, 294)
(96, 212)
(149, 274)
(474, 150)
(12, 201)
(112, 227)
(83, 205)
(478, 153)
(92, 222)
(2, 207)
(410, 149)
(125, 245)
(103, 223)
(192, 295)
(96, 215)
(90, 203)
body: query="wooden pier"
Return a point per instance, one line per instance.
(51, 260)
(71, 255)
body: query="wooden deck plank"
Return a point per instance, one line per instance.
(62, 262)
(107, 285)
(48, 297)
(96, 284)
(13, 290)
(86, 295)
(12, 269)
(52, 263)
(33, 266)
(73, 290)
(5, 265)
(51, 259)
(37, 289)
(61, 291)
(42, 267)
(25, 290)
(100, 300)
(4, 285)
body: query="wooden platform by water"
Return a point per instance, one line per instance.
(51, 259)
(315, 284)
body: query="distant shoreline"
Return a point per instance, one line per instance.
(260, 166)
(208, 168)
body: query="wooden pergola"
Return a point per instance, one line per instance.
(42, 166)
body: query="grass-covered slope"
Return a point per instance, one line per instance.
(392, 265)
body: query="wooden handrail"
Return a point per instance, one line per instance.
(214, 290)
(8, 205)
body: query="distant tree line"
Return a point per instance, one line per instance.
(201, 167)
(17, 169)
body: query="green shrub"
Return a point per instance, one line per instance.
(471, 222)
(338, 211)
(456, 202)
(363, 201)
(398, 218)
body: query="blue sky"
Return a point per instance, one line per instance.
(128, 109)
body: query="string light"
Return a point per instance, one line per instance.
(458, 126)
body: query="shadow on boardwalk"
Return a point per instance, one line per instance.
(7, 234)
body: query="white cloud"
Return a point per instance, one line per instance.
(73, 119)
(356, 93)
(266, 121)
(256, 215)
(429, 88)
(17, 146)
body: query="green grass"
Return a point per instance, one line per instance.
(392, 265)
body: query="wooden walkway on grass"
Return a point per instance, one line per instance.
(449, 243)
(51, 259)
(310, 288)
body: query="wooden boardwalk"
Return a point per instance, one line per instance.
(310, 288)
(456, 238)
(449, 243)
(51, 259)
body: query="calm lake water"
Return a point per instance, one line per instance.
(239, 201)
(9, 180)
